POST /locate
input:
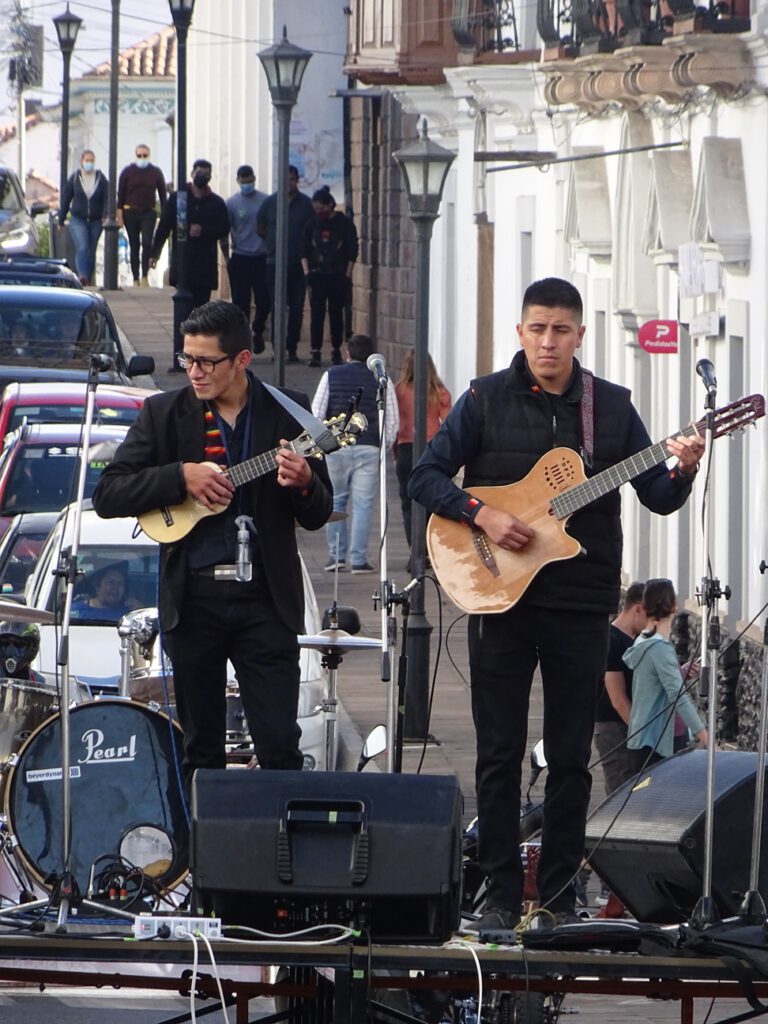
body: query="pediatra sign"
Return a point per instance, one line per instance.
(657, 336)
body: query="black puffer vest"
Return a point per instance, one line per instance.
(518, 425)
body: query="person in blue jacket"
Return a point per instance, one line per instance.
(658, 689)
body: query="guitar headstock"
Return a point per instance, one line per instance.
(345, 430)
(736, 416)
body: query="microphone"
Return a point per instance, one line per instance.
(706, 371)
(101, 362)
(378, 368)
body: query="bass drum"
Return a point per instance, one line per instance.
(125, 795)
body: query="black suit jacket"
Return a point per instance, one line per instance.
(146, 474)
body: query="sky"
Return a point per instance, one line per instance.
(138, 20)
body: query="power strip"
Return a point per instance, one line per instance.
(159, 926)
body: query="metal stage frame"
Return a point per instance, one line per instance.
(359, 969)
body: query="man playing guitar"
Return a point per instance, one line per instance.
(497, 431)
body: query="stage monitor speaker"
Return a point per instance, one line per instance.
(652, 856)
(280, 851)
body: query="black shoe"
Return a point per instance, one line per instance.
(291, 358)
(554, 918)
(495, 919)
(315, 360)
(336, 357)
(258, 343)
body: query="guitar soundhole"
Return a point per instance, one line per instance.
(559, 475)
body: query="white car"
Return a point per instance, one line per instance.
(94, 644)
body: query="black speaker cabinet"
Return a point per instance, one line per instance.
(652, 856)
(284, 850)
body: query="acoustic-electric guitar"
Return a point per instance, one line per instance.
(483, 578)
(172, 522)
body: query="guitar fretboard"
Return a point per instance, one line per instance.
(249, 470)
(582, 494)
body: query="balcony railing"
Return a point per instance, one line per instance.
(485, 26)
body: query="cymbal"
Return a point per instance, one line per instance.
(338, 641)
(23, 613)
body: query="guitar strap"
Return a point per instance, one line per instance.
(587, 411)
(318, 431)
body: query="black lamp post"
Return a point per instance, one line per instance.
(284, 65)
(424, 166)
(67, 27)
(111, 227)
(181, 13)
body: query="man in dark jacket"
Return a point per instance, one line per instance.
(140, 188)
(498, 430)
(203, 216)
(221, 598)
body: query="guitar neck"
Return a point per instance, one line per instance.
(611, 479)
(249, 470)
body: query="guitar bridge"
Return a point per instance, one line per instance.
(484, 552)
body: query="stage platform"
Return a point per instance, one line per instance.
(358, 970)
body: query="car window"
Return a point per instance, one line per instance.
(19, 561)
(111, 581)
(48, 336)
(10, 196)
(42, 478)
(56, 413)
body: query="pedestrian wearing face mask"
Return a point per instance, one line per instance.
(140, 193)
(203, 215)
(328, 256)
(85, 200)
(247, 263)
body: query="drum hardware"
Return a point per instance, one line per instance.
(333, 644)
(23, 613)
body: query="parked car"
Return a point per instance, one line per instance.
(18, 231)
(94, 647)
(38, 466)
(50, 334)
(20, 549)
(115, 405)
(26, 269)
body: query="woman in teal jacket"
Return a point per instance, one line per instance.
(657, 687)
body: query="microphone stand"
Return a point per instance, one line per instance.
(752, 909)
(388, 622)
(705, 912)
(67, 570)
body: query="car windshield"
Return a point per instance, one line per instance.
(111, 581)
(20, 558)
(44, 412)
(43, 479)
(65, 338)
(11, 200)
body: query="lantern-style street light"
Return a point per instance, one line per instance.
(424, 166)
(284, 65)
(67, 27)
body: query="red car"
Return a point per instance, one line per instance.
(39, 465)
(64, 403)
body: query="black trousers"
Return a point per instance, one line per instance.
(198, 296)
(296, 294)
(139, 227)
(403, 467)
(328, 292)
(571, 649)
(223, 620)
(248, 280)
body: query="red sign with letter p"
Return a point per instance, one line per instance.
(658, 336)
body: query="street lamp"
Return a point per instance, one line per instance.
(111, 227)
(284, 65)
(181, 13)
(424, 166)
(67, 27)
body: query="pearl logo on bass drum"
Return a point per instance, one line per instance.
(96, 752)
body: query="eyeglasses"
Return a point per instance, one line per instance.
(204, 365)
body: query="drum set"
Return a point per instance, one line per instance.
(129, 832)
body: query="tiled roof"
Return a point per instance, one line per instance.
(154, 57)
(8, 131)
